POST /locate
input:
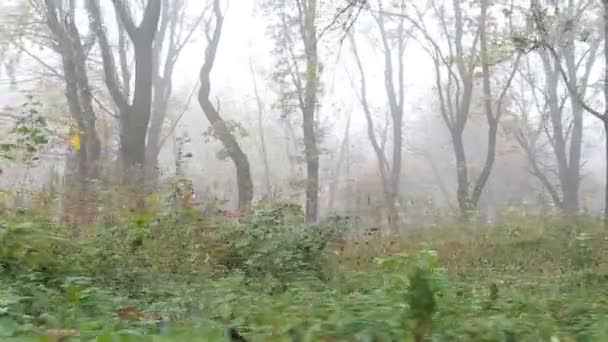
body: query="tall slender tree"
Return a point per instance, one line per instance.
(539, 20)
(456, 72)
(393, 37)
(560, 119)
(263, 149)
(174, 33)
(218, 125)
(297, 39)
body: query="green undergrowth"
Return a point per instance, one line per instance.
(182, 277)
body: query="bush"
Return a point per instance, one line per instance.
(29, 244)
(274, 242)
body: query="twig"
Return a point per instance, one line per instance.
(179, 117)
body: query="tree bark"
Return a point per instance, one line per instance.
(309, 36)
(171, 38)
(493, 110)
(239, 158)
(263, 149)
(571, 84)
(381, 160)
(134, 117)
(566, 139)
(455, 96)
(393, 67)
(333, 186)
(462, 176)
(395, 96)
(135, 122)
(605, 116)
(606, 171)
(78, 94)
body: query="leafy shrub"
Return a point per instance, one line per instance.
(275, 242)
(147, 246)
(418, 279)
(582, 250)
(28, 245)
(160, 267)
(28, 137)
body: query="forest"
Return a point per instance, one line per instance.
(304, 170)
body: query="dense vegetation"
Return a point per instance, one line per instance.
(160, 181)
(181, 276)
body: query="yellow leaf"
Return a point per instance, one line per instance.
(75, 141)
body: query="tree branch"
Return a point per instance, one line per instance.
(109, 64)
(125, 17)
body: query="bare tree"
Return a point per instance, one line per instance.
(74, 50)
(394, 41)
(562, 129)
(220, 129)
(263, 150)
(455, 90)
(173, 35)
(135, 114)
(571, 80)
(530, 134)
(336, 172)
(378, 147)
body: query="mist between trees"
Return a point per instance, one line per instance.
(392, 111)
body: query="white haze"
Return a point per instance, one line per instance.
(244, 37)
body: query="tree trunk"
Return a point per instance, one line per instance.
(134, 117)
(491, 117)
(395, 96)
(133, 139)
(395, 188)
(167, 50)
(78, 94)
(289, 149)
(309, 111)
(264, 152)
(160, 106)
(606, 148)
(572, 83)
(573, 177)
(239, 158)
(462, 178)
(312, 166)
(605, 116)
(333, 186)
(469, 202)
(568, 203)
(390, 174)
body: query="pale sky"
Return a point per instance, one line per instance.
(245, 35)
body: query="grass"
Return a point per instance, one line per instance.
(179, 277)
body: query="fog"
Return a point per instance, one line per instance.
(495, 113)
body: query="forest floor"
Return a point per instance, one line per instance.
(179, 277)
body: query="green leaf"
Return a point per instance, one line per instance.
(380, 261)
(25, 225)
(8, 327)
(7, 147)
(104, 338)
